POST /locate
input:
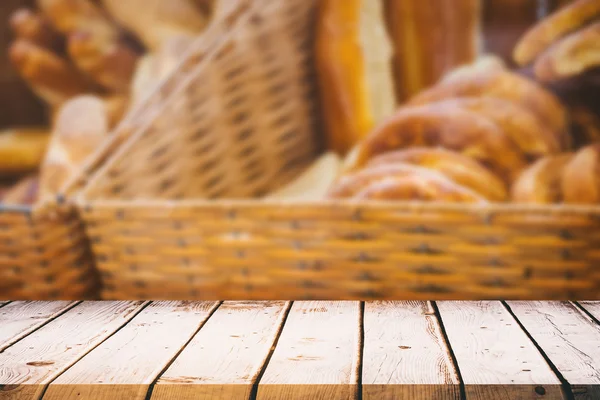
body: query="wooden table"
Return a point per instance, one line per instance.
(306, 350)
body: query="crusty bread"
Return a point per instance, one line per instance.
(52, 78)
(401, 182)
(505, 85)
(34, 27)
(354, 65)
(581, 177)
(80, 127)
(540, 183)
(428, 126)
(548, 31)
(423, 188)
(459, 168)
(522, 126)
(571, 56)
(22, 150)
(430, 38)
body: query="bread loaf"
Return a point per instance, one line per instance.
(52, 78)
(354, 65)
(539, 38)
(430, 38)
(523, 127)
(35, 28)
(429, 126)
(508, 86)
(80, 127)
(540, 183)
(573, 55)
(22, 150)
(401, 182)
(581, 177)
(459, 168)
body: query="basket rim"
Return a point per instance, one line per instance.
(225, 204)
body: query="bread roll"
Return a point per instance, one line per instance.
(508, 86)
(105, 59)
(431, 38)
(540, 183)
(34, 28)
(22, 150)
(581, 177)
(571, 56)
(49, 76)
(400, 182)
(354, 65)
(523, 127)
(25, 192)
(428, 126)
(423, 188)
(80, 127)
(460, 169)
(544, 34)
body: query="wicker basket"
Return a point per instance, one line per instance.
(237, 119)
(45, 255)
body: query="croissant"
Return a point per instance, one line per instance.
(401, 182)
(540, 183)
(459, 168)
(548, 31)
(504, 85)
(581, 177)
(460, 130)
(523, 127)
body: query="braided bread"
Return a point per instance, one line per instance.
(461, 169)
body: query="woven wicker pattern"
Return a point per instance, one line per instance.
(44, 256)
(238, 118)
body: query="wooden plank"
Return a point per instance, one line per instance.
(3, 303)
(317, 354)
(593, 307)
(225, 358)
(569, 338)
(495, 357)
(404, 354)
(30, 364)
(20, 318)
(126, 364)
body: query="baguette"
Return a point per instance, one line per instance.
(354, 65)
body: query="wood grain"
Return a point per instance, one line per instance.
(30, 364)
(317, 355)
(404, 354)
(569, 338)
(495, 357)
(125, 365)
(593, 307)
(20, 318)
(225, 358)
